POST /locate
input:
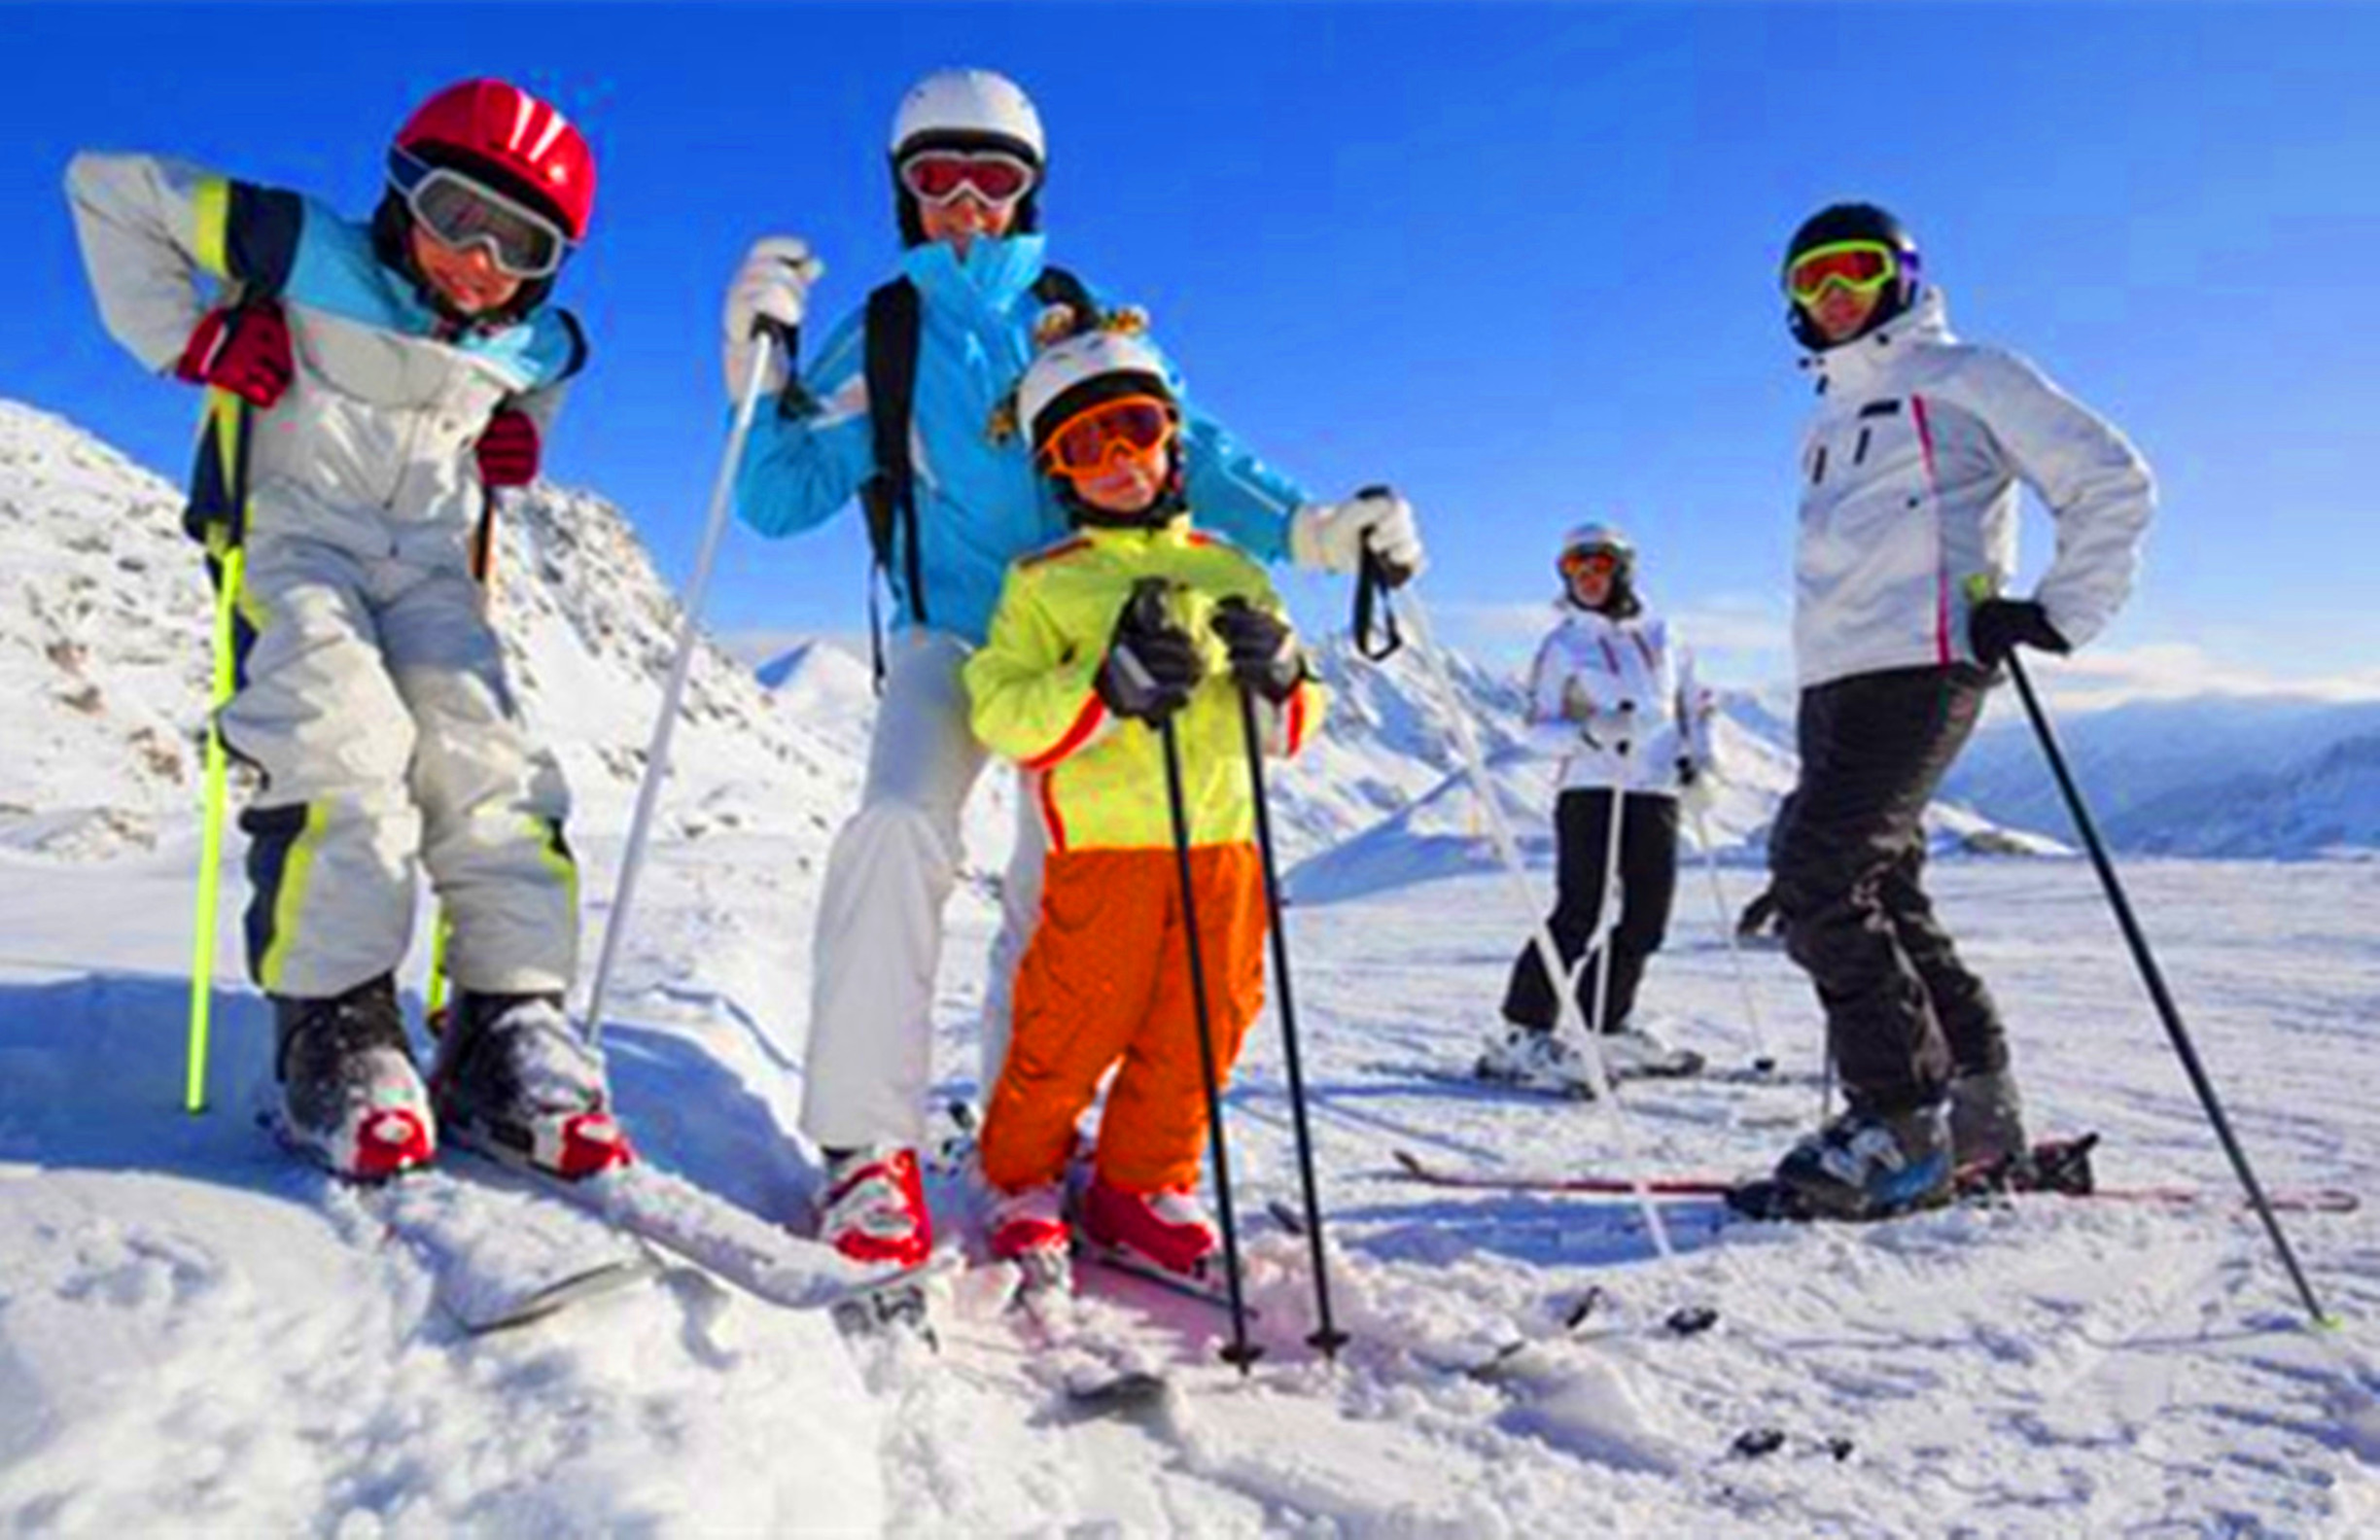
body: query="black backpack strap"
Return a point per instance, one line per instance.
(890, 494)
(1057, 285)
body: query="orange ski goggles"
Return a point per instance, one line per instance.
(1085, 445)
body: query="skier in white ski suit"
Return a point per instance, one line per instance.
(1910, 476)
(387, 376)
(1612, 695)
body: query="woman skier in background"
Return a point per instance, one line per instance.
(1613, 696)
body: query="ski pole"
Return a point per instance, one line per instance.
(227, 423)
(1326, 1337)
(1608, 901)
(1763, 1056)
(772, 337)
(2167, 1011)
(1149, 602)
(214, 792)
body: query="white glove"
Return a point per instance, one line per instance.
(773, 285)
(1332, 536)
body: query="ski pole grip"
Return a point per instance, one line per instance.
(792, 401)
(1376, 577)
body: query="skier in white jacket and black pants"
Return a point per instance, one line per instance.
(1613, 696)
(1909, 487)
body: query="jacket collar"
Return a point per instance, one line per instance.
(996, 272)
(1852, 367)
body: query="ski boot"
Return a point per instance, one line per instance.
(1538, 1060)
(1029, 1230)
(1168, 1231)
(1986, 1121)
(1865, 1166)
(517, 1083)
(351, 1097)
(874, 1210)
(1632, 1053)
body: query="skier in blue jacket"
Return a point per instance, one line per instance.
(968, 157)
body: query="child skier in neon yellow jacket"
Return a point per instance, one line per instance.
(1137, 621)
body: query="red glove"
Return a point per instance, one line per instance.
(244, 350)
(508, 449)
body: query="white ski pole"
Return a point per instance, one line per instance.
(657, 754)
(1549, 956)
(1608, 901)
(1763, 1056)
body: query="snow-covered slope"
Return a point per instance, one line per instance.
(197, 1336)
(104, 638)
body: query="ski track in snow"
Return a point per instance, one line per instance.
(196, 1334)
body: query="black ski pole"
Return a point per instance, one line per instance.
(2155, 981)
(1150, 591)
(1326, 1337)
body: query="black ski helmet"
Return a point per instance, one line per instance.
(1848, 221)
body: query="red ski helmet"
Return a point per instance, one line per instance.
(523, 146)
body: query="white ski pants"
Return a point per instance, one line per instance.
(870, 1060)
(372, 698)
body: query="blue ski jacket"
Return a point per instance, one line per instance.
(980, 504)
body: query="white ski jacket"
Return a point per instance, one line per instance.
(1587, 669)
(1909, 475)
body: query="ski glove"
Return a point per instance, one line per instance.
(772, 286)
(508, 449)
(1332, 536)
(1997, 627)
(1151, 667)
(1265, 657)
(244, 349)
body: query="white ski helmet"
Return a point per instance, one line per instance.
(1108, 360)
(1598, 536)
(970, 105)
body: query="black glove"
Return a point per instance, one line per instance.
(1996, 627)
(1151, 665)
(1265, 657)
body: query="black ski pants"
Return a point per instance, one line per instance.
(1903, 1014)
(1647, 884)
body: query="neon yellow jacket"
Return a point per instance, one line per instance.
(1099, 782)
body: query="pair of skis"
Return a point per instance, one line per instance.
(508, 1247)
(2057, 1166)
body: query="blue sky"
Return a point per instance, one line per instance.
(1517, 260)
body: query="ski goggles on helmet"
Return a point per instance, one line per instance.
(1862, 266)
(1085, 445)
(994, 176)
(463, 214)
(1589, 561)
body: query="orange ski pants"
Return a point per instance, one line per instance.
(1105, 980)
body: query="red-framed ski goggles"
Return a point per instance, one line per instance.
(1085, 445)
(1862, 266)
(1589, 561)
(463, 214)
(994, 176)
